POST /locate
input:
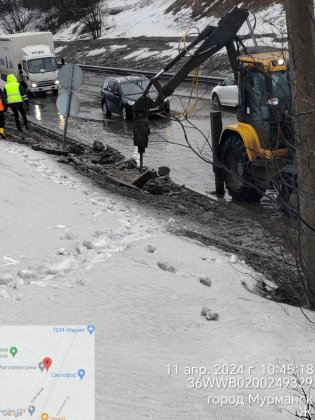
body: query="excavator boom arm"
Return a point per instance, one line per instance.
(222, 36)
(212, 40)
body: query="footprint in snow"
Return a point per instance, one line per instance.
(205, 280)
(166, 267)
(150, 248)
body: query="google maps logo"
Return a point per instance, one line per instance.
(16, 412)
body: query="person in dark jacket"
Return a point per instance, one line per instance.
(2, 109)
(15, 96)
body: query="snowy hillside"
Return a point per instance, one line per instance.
(160, 18)
(146, 34)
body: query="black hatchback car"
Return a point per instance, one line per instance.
(120, 93)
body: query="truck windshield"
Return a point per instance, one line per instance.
(38, 64)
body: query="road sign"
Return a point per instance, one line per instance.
(63, 106)
(68, 103)
(71, 76)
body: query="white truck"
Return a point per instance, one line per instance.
(30, 57)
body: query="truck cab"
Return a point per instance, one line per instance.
(39, 71)
(31, 58)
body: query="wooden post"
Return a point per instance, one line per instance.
(216, 130)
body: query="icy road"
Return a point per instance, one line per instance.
(167, 144)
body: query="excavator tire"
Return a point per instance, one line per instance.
(238, 175)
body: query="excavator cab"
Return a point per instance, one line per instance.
(265, 96)
(253, 149)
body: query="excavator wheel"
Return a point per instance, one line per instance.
(238, 175)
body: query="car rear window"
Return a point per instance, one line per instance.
(133, 87)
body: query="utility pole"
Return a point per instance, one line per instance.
(301, 35)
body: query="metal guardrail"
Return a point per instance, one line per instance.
(119, 71)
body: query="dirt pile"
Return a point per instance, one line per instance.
(161, 185)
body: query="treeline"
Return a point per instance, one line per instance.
(20, 15)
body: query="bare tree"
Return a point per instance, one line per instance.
(63, 10)
(89, 13)
(14, 17)
(301, 34)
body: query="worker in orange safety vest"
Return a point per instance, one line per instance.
(2, 109)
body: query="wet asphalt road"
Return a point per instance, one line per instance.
(90, 125)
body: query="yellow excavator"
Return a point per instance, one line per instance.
(255, 152)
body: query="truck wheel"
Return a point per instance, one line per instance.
(55, 92)
(105, 109)
(238, 176)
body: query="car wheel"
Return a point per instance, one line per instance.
(238, 175)
(105, 109)
(126, 114)
(216, 100)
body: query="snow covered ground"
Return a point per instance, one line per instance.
(150, 19)
(72, 254)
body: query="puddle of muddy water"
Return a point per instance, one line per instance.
(167, 144)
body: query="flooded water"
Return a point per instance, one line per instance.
(167, 145)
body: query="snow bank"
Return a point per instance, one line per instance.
(142, 53)
(45, 214)
(96, 52)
